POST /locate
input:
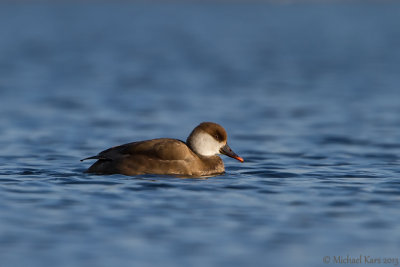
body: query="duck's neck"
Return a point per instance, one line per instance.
(212, 164)
(203, 144)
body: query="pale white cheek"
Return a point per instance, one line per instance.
(206, 145)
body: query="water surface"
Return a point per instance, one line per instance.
(309, 95)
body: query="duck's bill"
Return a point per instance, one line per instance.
(226, 150)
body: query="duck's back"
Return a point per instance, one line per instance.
(156, 156)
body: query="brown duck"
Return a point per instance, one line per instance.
(165, 156)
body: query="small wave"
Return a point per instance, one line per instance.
(241, 187)
(270, 174)
(344, 140)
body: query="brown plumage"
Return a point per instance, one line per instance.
(197, 157)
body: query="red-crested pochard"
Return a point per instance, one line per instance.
(165, 156)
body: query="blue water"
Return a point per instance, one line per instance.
(309, 95)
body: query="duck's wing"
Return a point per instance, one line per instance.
(161, 149)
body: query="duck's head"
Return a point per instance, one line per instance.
(209, 139)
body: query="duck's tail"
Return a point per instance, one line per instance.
(99, 157)
(93, 157)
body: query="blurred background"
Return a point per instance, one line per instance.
(307, 90)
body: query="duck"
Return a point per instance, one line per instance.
(198, 156)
